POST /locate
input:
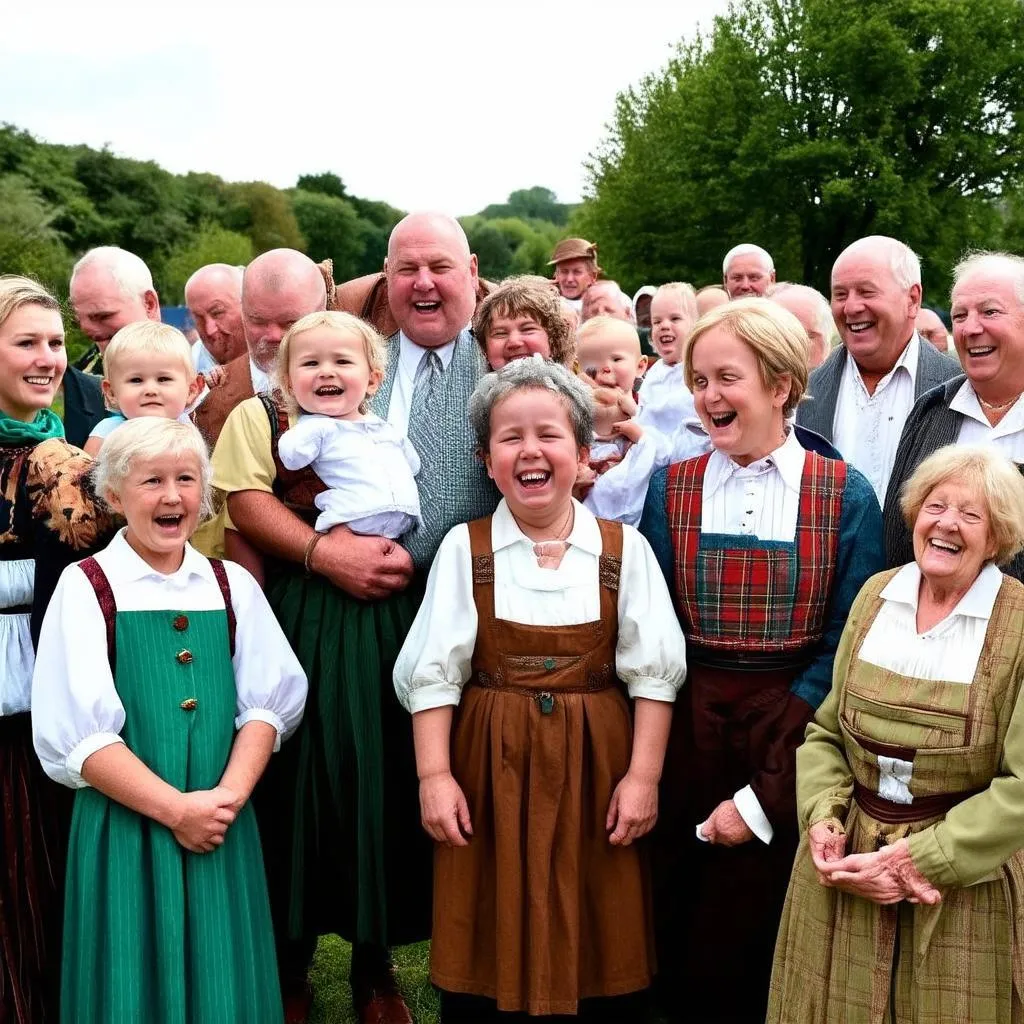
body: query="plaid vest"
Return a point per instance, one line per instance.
(748, 594)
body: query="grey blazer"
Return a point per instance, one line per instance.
(818, 410)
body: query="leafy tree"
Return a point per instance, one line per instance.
(331, 228)
(535, 203)
(265, 214)
(493, 253)
(328, 184)
(28, 242)
(210, 244)
(805, 124)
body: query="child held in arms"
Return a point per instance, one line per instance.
(540, 672)
(147, 371)
(162, 686)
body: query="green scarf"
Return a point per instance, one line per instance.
(47, 424)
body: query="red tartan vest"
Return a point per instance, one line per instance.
(757, 596)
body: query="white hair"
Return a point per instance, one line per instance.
(128, 271)
(903, 261)
(233, 273)
(647, 289)
(1002, 263)
(748, 249)
(823, 308)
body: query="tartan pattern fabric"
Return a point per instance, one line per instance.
(840, 957)
(766, 596)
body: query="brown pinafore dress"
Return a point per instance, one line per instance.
(540, 910)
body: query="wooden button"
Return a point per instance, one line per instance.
(180, 623)
(184, 657)
(189, 704)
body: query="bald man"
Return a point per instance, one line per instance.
(813, 311)
(213, 295)
(606, 298)
(932, 329)
(278, 288)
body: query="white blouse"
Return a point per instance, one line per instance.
(76, 708)
(17, 585)
(664, 401)
(434, 663)
(1007, 436)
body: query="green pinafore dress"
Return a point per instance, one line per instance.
(153, 932)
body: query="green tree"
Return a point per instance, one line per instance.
(804, 124)
(328, 184)
(332, 229)
(29, 244)
(265, 214)
(210, 244)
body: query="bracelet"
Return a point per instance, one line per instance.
(310, 547)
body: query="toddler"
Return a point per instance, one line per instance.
(328, 365)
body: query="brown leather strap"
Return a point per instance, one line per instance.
(225, 591)
(482, 552)
(610, 570)
(922, 808)
(108, 605)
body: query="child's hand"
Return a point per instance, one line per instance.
(633, 809)
(203, 819)
(627, 404)
(629, 429)
(444, 811)
(214, 377)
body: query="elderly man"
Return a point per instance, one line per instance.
(576, 269)
(861, 395)
(339, 806)
(747, 271)
(982, 405)
(277, 288)
(606, 298)
(813, 311)
(930, 326)
(213, 295)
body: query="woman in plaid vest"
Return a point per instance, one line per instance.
(764, 545)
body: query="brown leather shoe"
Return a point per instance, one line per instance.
(385, 1008)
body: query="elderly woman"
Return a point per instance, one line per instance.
(765, 545)
(540, 673)
(46, 521)
(906, 902)
(982, 405)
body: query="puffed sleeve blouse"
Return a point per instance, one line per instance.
(435, 661)
(76, 709)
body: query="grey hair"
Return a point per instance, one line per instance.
(232, 273)
(748, 249)
(147, 437)
(903, 261)
(1003, 262)
(826, 323)
(129, 272)
(523, 375)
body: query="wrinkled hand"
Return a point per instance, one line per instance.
(633, 809)
(725, 826)
(629, 429)
(444, 811)
(203, 818)
(368, 568)
(215, 376)
(887, 876)
(827, 844)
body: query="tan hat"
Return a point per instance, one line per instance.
(573, 249)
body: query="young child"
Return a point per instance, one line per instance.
(524, 315)
(147, 371)
(540, 673)
(328, 365)
(162, 685)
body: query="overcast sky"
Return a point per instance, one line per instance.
(382, 92)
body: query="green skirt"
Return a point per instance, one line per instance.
(339, 806)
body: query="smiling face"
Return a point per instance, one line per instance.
(515, 337)
(151, 384)
(742, 417)
(951, 536)
(747, 276)
(32, 360)
(102, 308)
(988, 331)
(160, 498)
(875, 316)
(329, 374)
(574, 277)
(268, 312)
(533, 457)
(214, 299)
(670, 326)
(609, 354)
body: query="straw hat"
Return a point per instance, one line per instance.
(573, 249)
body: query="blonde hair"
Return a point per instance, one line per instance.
(148, 336)
(533, 297)
(773, 334)
(17, 291)
(149, 437)
(374, 348)
(994, 478)
(686, 294)
(606, 325)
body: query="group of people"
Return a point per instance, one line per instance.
(638, 652)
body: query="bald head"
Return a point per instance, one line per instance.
(930, 326)
(709, 297)
(432, 278)
(606, 298)
(812, 309)
(278, 288)
(213, 295)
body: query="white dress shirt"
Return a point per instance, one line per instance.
(77, 710)
(949, 651)
(368, 468)
(867, 428)
(1007, 436)
(412, 360)
(434, 663)
(664, 401)
(261, 383)
(17, 585)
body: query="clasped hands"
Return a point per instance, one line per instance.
(632, 811)
(885, 876)
(201, 818)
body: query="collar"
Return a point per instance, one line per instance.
(586, 534)
(411, 355)
(661, 372)
(787, 460)
(967, 403)
(976, 603)
(122, 564)
(908, 360)
(260, 379)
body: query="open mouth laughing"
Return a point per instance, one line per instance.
(39, 381)
(723, 419)
(328, 391)
(533, 479)
(169, 523)
(859, 326)
(426, 307)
